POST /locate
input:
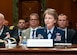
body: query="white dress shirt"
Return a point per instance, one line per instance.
(31, 31)
(49, 35)
(19, 30)
(1, 31)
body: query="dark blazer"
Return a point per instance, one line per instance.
(43, 32)
(75, 37)
(15, 28)
(14, 33)
(5, 30)
(70, 35)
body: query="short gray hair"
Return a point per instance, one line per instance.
(2, 15)
(34, 14)
(52, 12)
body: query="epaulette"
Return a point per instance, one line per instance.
(11, 27)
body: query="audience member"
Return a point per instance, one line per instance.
(30, 33)
(5, 33)
(18, 29)
(69, 33)
(20, 26)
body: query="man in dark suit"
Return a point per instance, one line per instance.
(69, 33)
(20, 26)
(51, 31)
(18, 29)
(5, 32)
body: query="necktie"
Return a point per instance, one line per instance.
(49, 32)
(20, 33)
(33, 34)
(49, 35)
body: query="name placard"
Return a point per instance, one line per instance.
(40, 43)
(63, 44)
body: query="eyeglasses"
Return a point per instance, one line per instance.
(33, 19)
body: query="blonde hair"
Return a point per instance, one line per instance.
(51, 12)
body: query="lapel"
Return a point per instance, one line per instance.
(28, 33)
(45, 33)
(3, 35)
(68, 33)
(54, 33)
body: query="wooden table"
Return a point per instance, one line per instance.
(72, 50)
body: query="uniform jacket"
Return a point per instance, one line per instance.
(43, 32)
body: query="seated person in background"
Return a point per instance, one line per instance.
(5, 32)
(50, 31)
(18, 29)
(30, 33)
(20, 26)
(69, 33)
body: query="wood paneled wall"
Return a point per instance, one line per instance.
(26, 7)
(68, 7)
(62, 6)
(6, 9)
(74, 12)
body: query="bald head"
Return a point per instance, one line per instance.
(1, 19)
(1, 16)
